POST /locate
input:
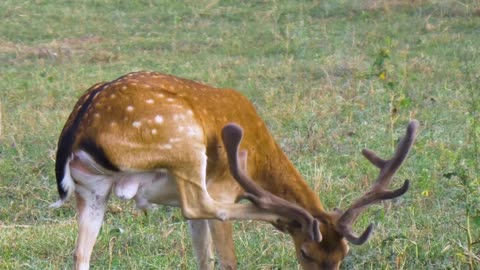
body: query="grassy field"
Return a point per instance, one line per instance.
(329, 78)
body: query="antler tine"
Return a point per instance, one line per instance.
(378, 191)
(232, 135)
(390, 167)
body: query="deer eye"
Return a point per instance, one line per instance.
(305, 255)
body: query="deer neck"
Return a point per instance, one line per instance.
(279, 176)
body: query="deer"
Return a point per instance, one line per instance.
(162, 140)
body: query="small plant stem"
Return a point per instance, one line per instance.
(476, 165)
(0, 120)
(469, 238)
(392, 121)
(474, 129)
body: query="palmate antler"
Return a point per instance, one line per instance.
(378, 191)
(232, 135)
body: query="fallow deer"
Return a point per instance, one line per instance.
(160, 139)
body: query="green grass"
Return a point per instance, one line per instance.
(313, 70)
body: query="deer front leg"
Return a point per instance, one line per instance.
(196, 202)
(202, 244)
(222, 236)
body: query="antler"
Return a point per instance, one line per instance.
(232, 135)
(378, 191)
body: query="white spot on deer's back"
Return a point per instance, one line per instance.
(137, 124)
(158, 119)
(166, 146)
(174, 140)
(170, 99)
(129, 109)
(193, 131)
(178, 117)
(149, 101)
(154, 131)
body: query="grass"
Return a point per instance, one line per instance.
(328, 77)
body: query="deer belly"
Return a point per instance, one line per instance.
(147, 188)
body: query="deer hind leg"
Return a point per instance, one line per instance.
(91, 209)
(202, 244)
(92, 192)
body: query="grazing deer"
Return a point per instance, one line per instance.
(160, 139)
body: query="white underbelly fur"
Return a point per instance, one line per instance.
(146, 188)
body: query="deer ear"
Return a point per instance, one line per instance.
(314, 233)
(288, 227)
(337, 212)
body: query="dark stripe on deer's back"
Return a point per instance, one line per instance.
(67, 138)
(97, 154)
